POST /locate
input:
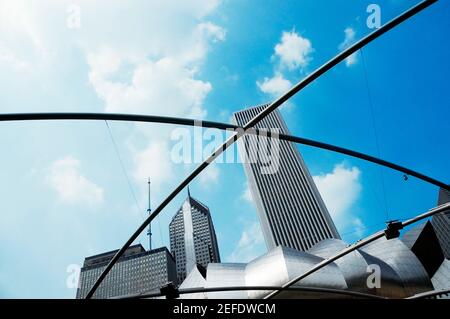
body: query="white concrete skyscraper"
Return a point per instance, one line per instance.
(290, 208)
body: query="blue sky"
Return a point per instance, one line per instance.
(64, 193)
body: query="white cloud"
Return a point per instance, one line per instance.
(247, 194)
(210, 175)
(7, 56)
(159, 28)
(358, 227)
(71, 185)
(157, 87)
(250, 245)
(163, 85)
(153, 161)
(147, 58)
(349, 39)
(351, 60)
(339, 189)
(162, 78)
(20, 30)
(274, 86)
(294, 51)
(211, 30)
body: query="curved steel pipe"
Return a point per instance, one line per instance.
(432, 293)
(369, 158)
(113, 117)
(216, 125)
(247, 288)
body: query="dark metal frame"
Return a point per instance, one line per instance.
(217, 125)
(240, 131)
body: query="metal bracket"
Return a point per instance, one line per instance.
(170, 291)
(393, 229)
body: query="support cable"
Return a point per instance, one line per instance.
(124, 171)
(374, 127)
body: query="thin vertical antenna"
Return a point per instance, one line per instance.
(149, 210)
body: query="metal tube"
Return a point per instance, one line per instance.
(365, 157)
(220, 126)
(430, 294)
(112, 117)
(247, 288)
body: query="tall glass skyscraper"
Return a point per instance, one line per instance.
(291, 210)
(192, 237)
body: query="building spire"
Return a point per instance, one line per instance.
(149, 210)
(189, 193)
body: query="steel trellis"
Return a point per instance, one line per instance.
(298, 87)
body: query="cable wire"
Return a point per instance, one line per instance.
(374, 127)
(130, 187)
(122, 166)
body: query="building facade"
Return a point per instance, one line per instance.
(192, 237)
(137, 271)
(441, 223)
(290, 208)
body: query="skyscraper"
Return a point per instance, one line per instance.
(137, 271)
(192, 237)
(290, 208)
(441, 223)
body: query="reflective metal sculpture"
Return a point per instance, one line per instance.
(402, 274)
